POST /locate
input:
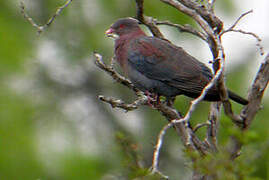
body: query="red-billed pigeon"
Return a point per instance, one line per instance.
(156, 66)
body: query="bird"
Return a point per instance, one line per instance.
(156, 66)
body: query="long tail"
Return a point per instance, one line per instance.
(237, 98)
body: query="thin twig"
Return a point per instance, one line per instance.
(120, 104)
(251, 34)
(28, 18)
(200, 125)
(238, 19)
(148, 21)
(190, 12)
(110, 70)
(231, 29)
(155, 160)
(202, 19)
(160, 174)
(209, 17)
(41, 28)
(212, 129)
(184, 28)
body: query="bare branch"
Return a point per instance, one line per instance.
(251, 34)
(160, 174)
(192, 139)
(190, 12)
(212, 129)
(120, 104)
(254, 96)
(231, 29)
(219, 65)
(148, 21)
(238, 19)
(256, 93)
(227, 106)
(184, 28)
(116, 76)
(200, 125)
(234, 148)
(28, 18)
(156, 155)
(200, 14)
(41, 28)
(201, 21)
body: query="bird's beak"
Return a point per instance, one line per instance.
(111, 33)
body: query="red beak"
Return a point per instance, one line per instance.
(109, 31)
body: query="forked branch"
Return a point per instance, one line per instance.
(41, 28)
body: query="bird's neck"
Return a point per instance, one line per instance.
(123, 39)
(122, 43)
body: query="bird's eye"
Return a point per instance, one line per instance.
(122, 26)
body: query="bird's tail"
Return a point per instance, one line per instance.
(237, 98)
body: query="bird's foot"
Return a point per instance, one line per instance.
(170, 101)
(153, 99)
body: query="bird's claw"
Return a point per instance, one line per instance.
(153, 99)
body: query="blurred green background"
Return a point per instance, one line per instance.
(53, 127)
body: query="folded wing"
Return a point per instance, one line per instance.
(159, 60)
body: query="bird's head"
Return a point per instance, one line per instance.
(123, 26)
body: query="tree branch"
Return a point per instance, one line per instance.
(237, 21)
(200, 125)
(148, 21)
(251, 34)
(255, 97)
(198, 13)
(116, 76)
(256, 93)
(183, 28)
(122, 105)
(41, 28)
(212, 129)
(213, 21)
(231, 29)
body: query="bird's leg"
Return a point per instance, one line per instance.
(170, 101)
(148, 94)
(158, 100)
(152, 97)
